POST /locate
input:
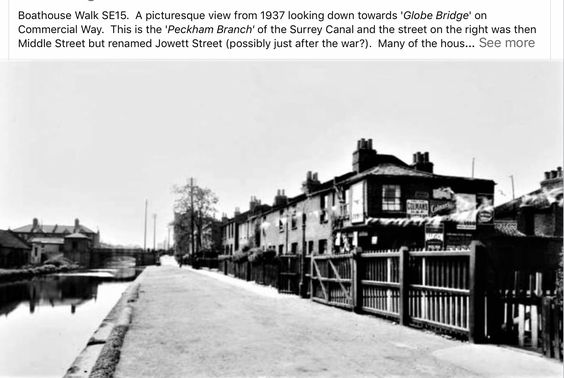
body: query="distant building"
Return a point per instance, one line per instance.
(211, 236)
(383, 203)
(51, 241)
(538, 213)
(14, 252)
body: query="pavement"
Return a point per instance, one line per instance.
(189, 323)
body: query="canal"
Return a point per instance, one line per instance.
(46, 321)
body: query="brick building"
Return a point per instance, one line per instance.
(538, 213)
(382, 203)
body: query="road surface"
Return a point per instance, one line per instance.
(190, 323)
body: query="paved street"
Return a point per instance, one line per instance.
(190, 323)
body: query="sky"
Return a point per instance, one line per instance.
(94, 140)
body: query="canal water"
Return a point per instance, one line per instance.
(45, 322)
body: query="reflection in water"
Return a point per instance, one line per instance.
(46, 321)
(69, 289)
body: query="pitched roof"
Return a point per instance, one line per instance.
(9, 240)
(53, 229)
(47, 240)
(76, 235)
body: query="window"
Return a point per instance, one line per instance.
(294, 248)
(322, 246)
(310, 247)
(280, 222)
(281, 249)
(391, 198)
(325, 204)
(294, 220)
(345, 208)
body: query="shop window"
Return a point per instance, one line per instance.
(391, 198)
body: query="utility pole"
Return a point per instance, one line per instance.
(154, 232)
(191, 216)
(145, 233)
(473, 161)
(512, 186)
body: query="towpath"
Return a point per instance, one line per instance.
(190, 323)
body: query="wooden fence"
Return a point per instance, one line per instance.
(433, 289)
(445, 291)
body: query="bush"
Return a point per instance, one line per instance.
(240, 256)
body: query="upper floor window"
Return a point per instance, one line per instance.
(391, 198)
(294, 220)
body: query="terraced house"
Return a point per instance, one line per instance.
(382, 203)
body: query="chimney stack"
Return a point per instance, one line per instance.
(365, 156)
(35, 223)
(552, 179)
(76, 225)
(237, 212)
(280, 199)
(311, 183)
(421, 162)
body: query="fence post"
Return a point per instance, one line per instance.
(476, 296)
(404, 286)
(356, 277)
(248, 271)
(303, 286)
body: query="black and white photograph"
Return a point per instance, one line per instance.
(289, 218)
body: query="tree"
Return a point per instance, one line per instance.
(194, 208)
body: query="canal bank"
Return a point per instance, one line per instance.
(11, 275)
(102, 351)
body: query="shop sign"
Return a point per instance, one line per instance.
(357, 203)
(421, 195)
(443, 193)
(458, 240)
(434, 237)
(465, 202)
(485, 209)
(434, 232)
(466, 226)
(417, 208)
(442, 207)
(374, 240)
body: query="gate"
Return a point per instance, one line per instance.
(289, 274)
(331, 280)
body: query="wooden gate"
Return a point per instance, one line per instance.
(331, 280)
(289, 274)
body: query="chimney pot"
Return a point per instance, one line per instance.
(414, 158)
(426, 157)
(546, 175)
(314, 176)
(559, 170)
(370, 143)
(553, 174)
(35, 222)
(418, 158)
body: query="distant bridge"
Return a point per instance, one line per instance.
(98, 257)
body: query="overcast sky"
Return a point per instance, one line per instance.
(93, 140)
